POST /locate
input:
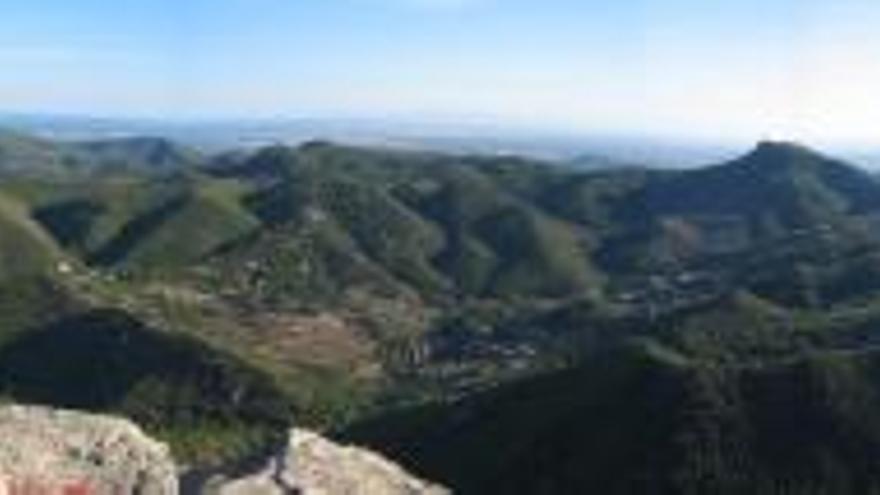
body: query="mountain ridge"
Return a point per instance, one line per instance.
(339, 281)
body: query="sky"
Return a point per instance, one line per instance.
(737, 69)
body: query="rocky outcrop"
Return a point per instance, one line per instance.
(313, 465)
(51, 452)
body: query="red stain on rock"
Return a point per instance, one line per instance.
(77, 488)
(29, 486)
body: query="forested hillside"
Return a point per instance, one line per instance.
(617, 327)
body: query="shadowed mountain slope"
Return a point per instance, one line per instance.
(644, 420)
(176, 386)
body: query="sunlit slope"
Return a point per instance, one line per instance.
(25, 248)
(146, 225)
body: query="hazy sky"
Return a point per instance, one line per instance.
(807, 69)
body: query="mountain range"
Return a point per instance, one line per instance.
(646, 330)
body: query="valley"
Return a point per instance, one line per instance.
(435, 305)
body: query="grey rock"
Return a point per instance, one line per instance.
(53, 452)
(313, 465)
(47, 451)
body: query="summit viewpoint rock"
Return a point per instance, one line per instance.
(314, 465)
(51, 452)
(45, 451)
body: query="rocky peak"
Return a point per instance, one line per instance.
(782, 155)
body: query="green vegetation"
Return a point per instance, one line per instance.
(31, 156)
(135, 154)
(25, 249)
(21, 154)
(645, 420)
(548, 330)
(109, 362)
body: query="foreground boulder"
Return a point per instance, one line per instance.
(51, 452)
(313, 465)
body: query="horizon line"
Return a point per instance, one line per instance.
(436, 126)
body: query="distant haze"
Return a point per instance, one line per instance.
(214, 136)
(592, 150)
(727, 69)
